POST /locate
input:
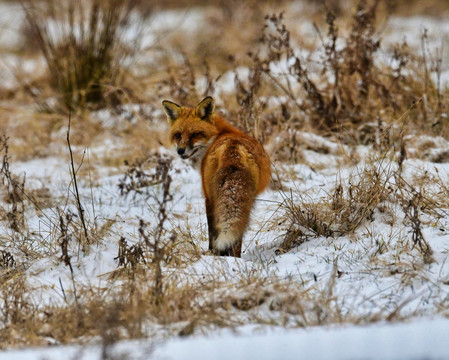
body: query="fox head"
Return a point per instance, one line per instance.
(191, 130)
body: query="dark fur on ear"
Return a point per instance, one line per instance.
(205, 108)
(172, 110)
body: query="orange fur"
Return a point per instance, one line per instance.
(234, 170)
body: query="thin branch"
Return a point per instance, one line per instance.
(77, 195)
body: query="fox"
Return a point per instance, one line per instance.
(234, 169)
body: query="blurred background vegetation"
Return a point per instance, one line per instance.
(341, 68)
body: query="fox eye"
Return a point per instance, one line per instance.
(177, 136)
(198, 134)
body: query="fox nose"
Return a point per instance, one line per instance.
(181, 151)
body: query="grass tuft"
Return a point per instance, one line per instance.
(84, 49)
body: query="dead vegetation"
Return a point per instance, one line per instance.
(357, 202)
(14, 187)
(85, 50)
(339, 94)
(351, 95)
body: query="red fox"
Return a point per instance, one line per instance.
(234, 169)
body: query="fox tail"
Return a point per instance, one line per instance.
(233, 207)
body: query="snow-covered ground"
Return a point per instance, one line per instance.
(416, 340)
(375, 273)
(368, 294)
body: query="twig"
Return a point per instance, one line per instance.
(62, 289)
(77, 195)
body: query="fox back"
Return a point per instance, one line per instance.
(234, 170)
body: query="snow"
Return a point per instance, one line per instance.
(412, 29)
(421, 339)
(365, 287)
(372, 275)
(425, 339)
(11, 20)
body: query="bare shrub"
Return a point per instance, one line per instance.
(338, 214)
(416, 204)
(129, 255)
(183, 80)
(7, 260)
(14, 190)
(355, 202)
(352, 90)
(153, 242)
(412, 217)
(16, 308)
(139, 181)
(84, 49)
(160, 250)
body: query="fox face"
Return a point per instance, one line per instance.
(191, 130)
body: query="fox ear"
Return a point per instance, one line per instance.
(205, 108)
(172, 110)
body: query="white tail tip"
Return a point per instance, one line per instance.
(225, 240)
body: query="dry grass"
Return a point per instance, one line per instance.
(348, 98)
(358, 199)
(352, 202)
(85, 51)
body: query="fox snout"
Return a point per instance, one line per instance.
(182, 153)
(186, 152)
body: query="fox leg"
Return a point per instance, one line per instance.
(236, 194)
(211, 224)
